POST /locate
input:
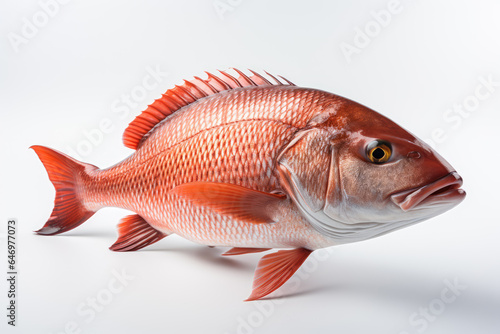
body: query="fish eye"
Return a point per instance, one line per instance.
(379, 151)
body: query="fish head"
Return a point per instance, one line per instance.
(354, 174)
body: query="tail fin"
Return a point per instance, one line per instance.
(66, 174)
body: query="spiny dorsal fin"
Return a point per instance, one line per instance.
(191, 91)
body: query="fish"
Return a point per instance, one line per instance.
(254, 162)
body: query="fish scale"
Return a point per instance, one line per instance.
(183, 163)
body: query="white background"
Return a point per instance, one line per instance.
(68, 77)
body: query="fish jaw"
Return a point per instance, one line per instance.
(445, 190)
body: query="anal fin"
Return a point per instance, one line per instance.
(135, 233)
(244, 250)
(275, 269)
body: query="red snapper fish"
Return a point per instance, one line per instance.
(253, 162)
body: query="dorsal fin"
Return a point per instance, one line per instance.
(191, 91)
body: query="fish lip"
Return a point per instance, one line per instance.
(444, 188)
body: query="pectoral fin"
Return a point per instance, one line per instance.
(275, 269)
(238, 202)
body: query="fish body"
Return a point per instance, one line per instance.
(242, 162)
(221, 139)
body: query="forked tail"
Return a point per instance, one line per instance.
(66, 175)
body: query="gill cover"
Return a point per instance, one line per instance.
(303, 166)
(309, 172)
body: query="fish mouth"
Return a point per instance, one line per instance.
(444, 190)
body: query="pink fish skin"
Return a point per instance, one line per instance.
(235, 160)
